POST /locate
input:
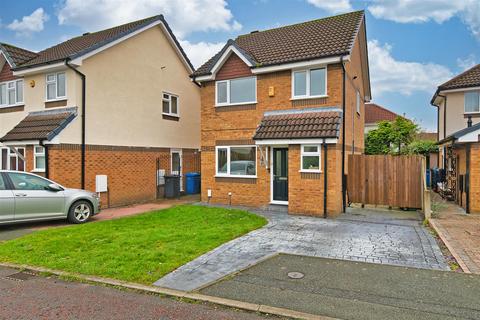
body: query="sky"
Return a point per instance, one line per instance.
(413, 45)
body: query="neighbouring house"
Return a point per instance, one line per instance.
(375, 113)
(117, 103)
(280, 111)
(458, 105)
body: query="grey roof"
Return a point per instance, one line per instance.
(460, 133)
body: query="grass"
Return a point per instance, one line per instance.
(140, 249)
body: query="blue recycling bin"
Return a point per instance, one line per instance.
(193, 183)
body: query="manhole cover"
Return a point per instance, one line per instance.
(21, 276)
(295, 275)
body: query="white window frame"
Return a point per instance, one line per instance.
(12, 154)
(465, 103)
(311, 154)
(359, 99)
(55, 81)
(17, 102)
(221, 104)
(170, 95)
(307, 92)
(221, 174)
(38, 154)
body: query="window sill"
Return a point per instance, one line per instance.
(235, 176)
(56, 99)
(310, 171)
(308, 97)
(172, 117)
(38, 171)
(234, 104)
(5, 106)
(471, 114)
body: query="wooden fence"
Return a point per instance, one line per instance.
(394, 181)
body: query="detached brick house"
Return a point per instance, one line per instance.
(280, 111)
(117, 102)
(458, 105)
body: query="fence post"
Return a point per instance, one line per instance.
(426, 197)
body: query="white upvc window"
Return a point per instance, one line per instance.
(309, 83)
(310, 158)
(170, 105)
(472, 101)
(359, 102)
(9, 160)
(236, 161)
(56, 86)
(38, 159)
(11, 93)
(236, 91)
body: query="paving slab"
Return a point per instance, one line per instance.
(354, 290)
(394, 241)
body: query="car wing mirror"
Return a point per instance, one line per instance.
(54, 187)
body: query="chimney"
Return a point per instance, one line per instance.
(469, 121)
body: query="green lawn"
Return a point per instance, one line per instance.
(141, 248)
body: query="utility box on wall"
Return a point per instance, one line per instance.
(101, 183)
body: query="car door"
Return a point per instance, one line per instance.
(6, 201)
(33, 199)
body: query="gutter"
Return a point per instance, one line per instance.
(82, 161)
(344, 74)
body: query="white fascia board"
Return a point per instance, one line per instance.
(49, 67)
(460, 90)
(470, 137)
(301, 64)
(5, 57)
(20, 143)
(205, 78)
(295, 141)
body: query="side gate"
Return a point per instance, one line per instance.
(394, 181)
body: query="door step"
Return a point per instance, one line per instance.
(277, 208)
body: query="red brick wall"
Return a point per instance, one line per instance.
(131, 171)
(234, 67)
(6, 74)
(475, 178)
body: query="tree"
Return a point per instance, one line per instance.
(391, 137)
(423, 147)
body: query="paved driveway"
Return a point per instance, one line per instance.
(386, 237)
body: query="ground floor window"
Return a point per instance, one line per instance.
(9, 160)
(237, 161)
(39, 158)
(310, 158)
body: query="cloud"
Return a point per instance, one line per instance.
(391, 75)
(413, 11)
(200, 52)
(332, 6)
(29, 24)
(184, 16)
(467, 62)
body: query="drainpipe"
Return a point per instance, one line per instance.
(325, 182)
(344, 74)
(467, 178)
(45, 147)
(444, 128)
(83, 77)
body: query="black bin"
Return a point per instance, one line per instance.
(172, 186)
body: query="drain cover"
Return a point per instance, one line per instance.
(21, 276)
(295, 275)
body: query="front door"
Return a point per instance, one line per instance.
(280, 175)
(177, 165)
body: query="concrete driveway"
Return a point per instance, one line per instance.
(384, 237)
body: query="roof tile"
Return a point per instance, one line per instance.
(468, 78)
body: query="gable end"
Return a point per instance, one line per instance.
(234, 67)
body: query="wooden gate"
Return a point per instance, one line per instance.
(394, 181)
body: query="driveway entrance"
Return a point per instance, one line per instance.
(385, 237)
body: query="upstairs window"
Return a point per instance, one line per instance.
(236, 91)
(11, 93)
(310, 158)
(56, 86)
(309, 83)
(472, 101)
(170, 104)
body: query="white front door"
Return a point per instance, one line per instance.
(176, 164)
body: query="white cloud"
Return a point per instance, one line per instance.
(184, 16)
(332, 6)
(200, 52)
(467, 62)
(391, 75)
(415, 11)
(29, 24)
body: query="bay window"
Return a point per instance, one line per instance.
(236, 161)
(236, 91)
(56, 86)
(170, 104)
(309, 83)
(310, 158)
(39, 159)
(11, 93)
(472, 101)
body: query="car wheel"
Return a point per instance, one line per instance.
(80, 212)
